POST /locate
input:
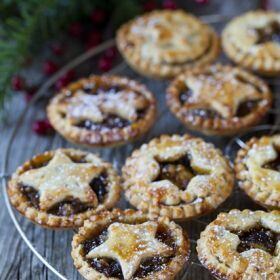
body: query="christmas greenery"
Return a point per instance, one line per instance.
(25, 26)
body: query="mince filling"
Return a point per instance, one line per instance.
(111, 121)
(111, 268)
(275, 164)
(178, 172)
(270, 33)
(100, 186)
(258, 238)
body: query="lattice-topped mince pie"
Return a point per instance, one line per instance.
(177, 176)
(218, 100)
(164, 43)
(102, 111)
(257, 167)
(62, 188)
(130, 245)
(242, 245)
(252, 40)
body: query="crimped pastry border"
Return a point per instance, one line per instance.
(22, 205)
(183, 211)
(93, 225)
(213, 263)
(245, 182)
(217, 126)
(149, 69)
(257, 64)
(103, 138)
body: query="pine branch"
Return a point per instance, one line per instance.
(26, 25)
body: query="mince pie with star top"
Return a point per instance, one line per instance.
(62, 188)
(164, 43)
(130, 245)
(219, 99)
(252, 40)
(242, 245)
(177, 176)
(102, 111)
(257, 167)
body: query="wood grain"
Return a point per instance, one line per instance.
(17, 262)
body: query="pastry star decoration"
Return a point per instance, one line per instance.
(221, 92)
(62, 179)
(129, 245)
(96, 107)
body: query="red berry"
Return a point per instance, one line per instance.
(49, 67)
(169, 5)
(202, 1)
(42, 127)
(98, 16)
(18, 83)
(70, 75)
(76, 29)
(149, 6)
(57, 49)
(29, 93)
(104, 64)
(94, 39)
(265, 4)
(111, 53)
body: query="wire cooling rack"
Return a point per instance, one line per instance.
(171, 125)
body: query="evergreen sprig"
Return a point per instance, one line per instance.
(26, 25)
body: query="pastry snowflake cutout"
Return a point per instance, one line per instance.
(130, 244)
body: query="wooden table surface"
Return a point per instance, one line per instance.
(17, 261)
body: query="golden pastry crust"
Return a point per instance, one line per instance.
(38, 187)
(96, 224)
(242, 245)
(218, 99)
(177, 176)
(252, 41)
(256, 169)
(102, 111)
(162, 44)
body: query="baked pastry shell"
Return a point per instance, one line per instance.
(109, 137)
(104, 219)
(22, 204)
(246, 184)
(162, 71)
(270, 68)
(183, 212)
(216, 126)
(212, 263)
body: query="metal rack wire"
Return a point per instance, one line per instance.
(230, 149)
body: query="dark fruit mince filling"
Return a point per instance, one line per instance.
(270, 33)
(99, 185)
(258, 238)
(31, 194)
(90, 89)
(111, 268)
(275, 164)
(178, 172)
(111, 121)
(68, 207)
